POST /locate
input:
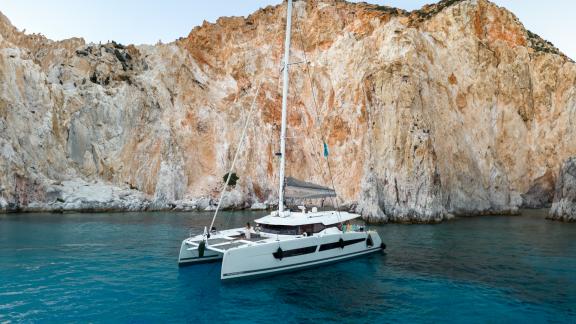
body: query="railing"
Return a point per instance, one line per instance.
(353, 228)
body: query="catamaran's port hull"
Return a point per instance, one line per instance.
(191, 261)
(189, 255)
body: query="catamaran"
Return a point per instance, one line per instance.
(285, 240)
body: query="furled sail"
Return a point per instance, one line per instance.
(298, 189)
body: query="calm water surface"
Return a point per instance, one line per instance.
(122, 268)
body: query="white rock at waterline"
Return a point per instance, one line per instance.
(259, 206)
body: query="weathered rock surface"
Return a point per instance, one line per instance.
(541, 193)
(454, 109)
(564, 206)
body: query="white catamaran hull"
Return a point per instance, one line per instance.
(189, 254)
(283, 256)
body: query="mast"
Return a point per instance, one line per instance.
(284, 107)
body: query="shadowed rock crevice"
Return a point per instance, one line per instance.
(541, 192)
(564, 206)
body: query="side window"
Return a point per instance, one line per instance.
(308, 229)
(311, 228)
(280, 229)
(317, 228)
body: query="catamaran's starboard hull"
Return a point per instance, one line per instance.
(272, 272)
(307, 252)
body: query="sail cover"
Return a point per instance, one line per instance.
(298, 189)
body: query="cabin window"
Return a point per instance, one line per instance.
(308, 229)
(279, 229)
(319, 228)
(312, 228)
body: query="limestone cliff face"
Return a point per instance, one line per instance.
(564, 206)
(454, 109)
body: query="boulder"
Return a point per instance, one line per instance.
(3, 204)
(186, 205)
(259, 206)
(564, 205)
(78, 195)
(203, 203)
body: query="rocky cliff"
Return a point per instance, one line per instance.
(564, 206)
(454, 109)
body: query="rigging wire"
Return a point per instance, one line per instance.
(228, 218)
(223, 192)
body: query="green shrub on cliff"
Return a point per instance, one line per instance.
(233, 179)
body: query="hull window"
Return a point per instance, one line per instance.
(280, 254)
(340, 244)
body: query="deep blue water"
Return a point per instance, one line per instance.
(122, 268)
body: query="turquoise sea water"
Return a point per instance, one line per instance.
(122, 268)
